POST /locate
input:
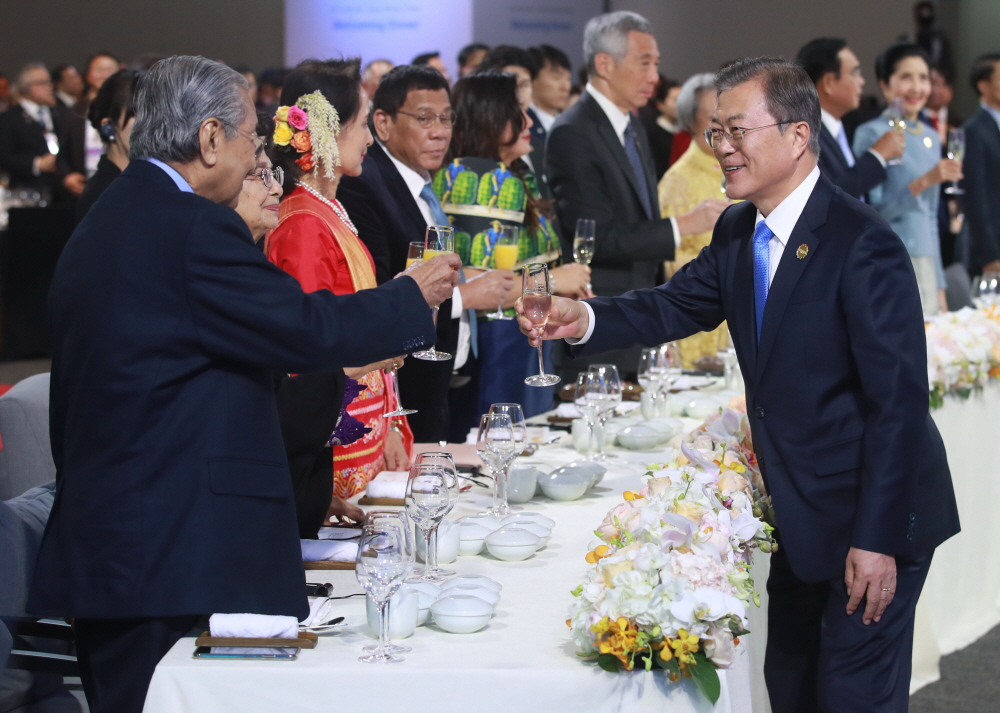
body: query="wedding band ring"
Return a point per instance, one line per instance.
(886, 589)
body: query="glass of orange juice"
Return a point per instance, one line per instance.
(504, 258)
(438, 240)
(414, 254)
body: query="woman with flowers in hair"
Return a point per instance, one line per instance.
(321, 133)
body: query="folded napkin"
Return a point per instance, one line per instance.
(338, 533)
(329, 550)
(388, 484)
(567, 410)
(253, 626)
(319, 611)
(682, 383)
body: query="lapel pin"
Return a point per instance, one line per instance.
(802, 251)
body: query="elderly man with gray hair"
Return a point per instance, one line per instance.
(173, 494)
(598, 166)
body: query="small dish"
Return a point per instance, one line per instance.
(429, 588)
(535, 528)
(425, 598)
(521, 483)
(475, 590)
(472, 538)
(530, 517)
(476, 579)
(487, 520)
(638, 438)
(594, 471)
(667, 427)
(461, 613)
(701, 407)
(512, 543)
(566, 483)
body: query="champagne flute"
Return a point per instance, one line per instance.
(504, 258)
(438, 240)
(583, 240)
(446, 463)
(536, 295)
(393, 518)
(956, 151)
(585, 385)
(507, 442)
(428, 500)
(381, 566)
(894, 113)
(607, 396)
(649, 374)
(415, 253)
(399, 410)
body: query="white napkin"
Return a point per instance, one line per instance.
(338, 533)
(683, 383)
(388, 484)
(253, 626)
(628, 406)
(319, 611)
(332, 550)
(567, 410)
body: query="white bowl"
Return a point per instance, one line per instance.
(472, 538)
(428, 588)
(638, 437)
(424, 602)
(448, 542)
(566, 483)
(487, 595)
(536, 529)
(461, 613)
(521, 483)
(702, 407)
(593, 471)
(665, 426)
(512, 544)
(488, 521)
(581, 436)
(680, 400)
(403, 612)
(476, 579)
(530, 517)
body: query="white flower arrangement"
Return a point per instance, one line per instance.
(963, 352)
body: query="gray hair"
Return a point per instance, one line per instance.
(21, 80)
(689, 99)
(609, 34)
(789, 94)
(175, 97)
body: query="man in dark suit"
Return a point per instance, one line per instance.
(836, 72)
(173, 492)
(982, 170)
(822, 303)
(391, 203)
(598, 166)
(33, 138)
(549, 98)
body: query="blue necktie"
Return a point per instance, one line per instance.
(761, 269)
(632, 151)
(845, 148)
(441, 218)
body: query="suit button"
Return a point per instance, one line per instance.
(910, 537)
(913, 517)
(759, 411)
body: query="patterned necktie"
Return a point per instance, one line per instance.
(761, 269)
(440, 218)
(632, 151)
(845, 148)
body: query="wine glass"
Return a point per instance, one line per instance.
(956, 151)
(399, 410)
(649, 374)
(986, 289)
(505, 437)
(446, 463)
(415, 253)
(381, 566)
(394, 518)
(505, 258)
(583, 240)
(606, 396)
(487, 455)
(894, 113)
(586, 384)
(727, 353)
(670, 354)
(428, 500)
(438, 240)
(536, 296)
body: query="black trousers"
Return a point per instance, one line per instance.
(819, 660)
(117, 658)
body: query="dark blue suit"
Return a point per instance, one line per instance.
(837, 397)
(173, 490)
(856, 180)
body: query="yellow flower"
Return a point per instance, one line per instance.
(281, 114)
(610, 569)
(630, 496)
(691, 511)
(617, 638)
(283, 133)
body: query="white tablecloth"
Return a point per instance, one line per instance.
(524, 660)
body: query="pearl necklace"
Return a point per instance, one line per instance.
(335, 204)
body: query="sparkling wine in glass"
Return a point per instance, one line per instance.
(438, 240)
(536, 296)
(897, 122)
(505, 258)
(956, 151)
(583, 240)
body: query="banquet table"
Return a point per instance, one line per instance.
(525, 659)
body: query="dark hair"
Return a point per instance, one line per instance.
(887, 62)
(663, 87)
(265, 128)
(339, 80)
(273, 76)
(466, 52)
(57, 73)
(115, 99)
(789, 94)
(506, 56)
(549, 55)
(425, 58)
(819, 57)
(983, 67)
(398, 82)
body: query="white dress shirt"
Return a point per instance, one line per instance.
(43, 115)
(835, 126)
(544, 118)
(619, 122)
(416, 182)
(781, 222)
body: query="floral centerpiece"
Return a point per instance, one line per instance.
(669, 585)
(963, 352)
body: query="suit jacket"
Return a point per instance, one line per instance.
(661, 144)
(981, 168)
(388, 220)
(590, 176)
(837, 392)
(537, 156)
(173, 490)
(22, 140)
(856, 181)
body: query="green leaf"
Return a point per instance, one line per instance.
(578, 591)
(706, 677)
(609, 662)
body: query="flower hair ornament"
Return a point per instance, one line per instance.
(311, 128)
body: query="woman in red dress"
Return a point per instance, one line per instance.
(321, 133)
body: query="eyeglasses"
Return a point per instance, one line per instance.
(428, 120)
(268, 175)
(257, 141)
(714, 136)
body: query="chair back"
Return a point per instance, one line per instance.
(25, 453)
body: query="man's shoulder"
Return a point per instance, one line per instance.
(579, 116)
(847, 216)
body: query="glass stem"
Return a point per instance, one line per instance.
(600, 442)
(541, 361)
(395, 387)
(434, 319)
(502, 487)
(496, 489)
(432, 555)
(383, 628)
(590, 440)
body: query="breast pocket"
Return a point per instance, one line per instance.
(838, 458)
(259, 479)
